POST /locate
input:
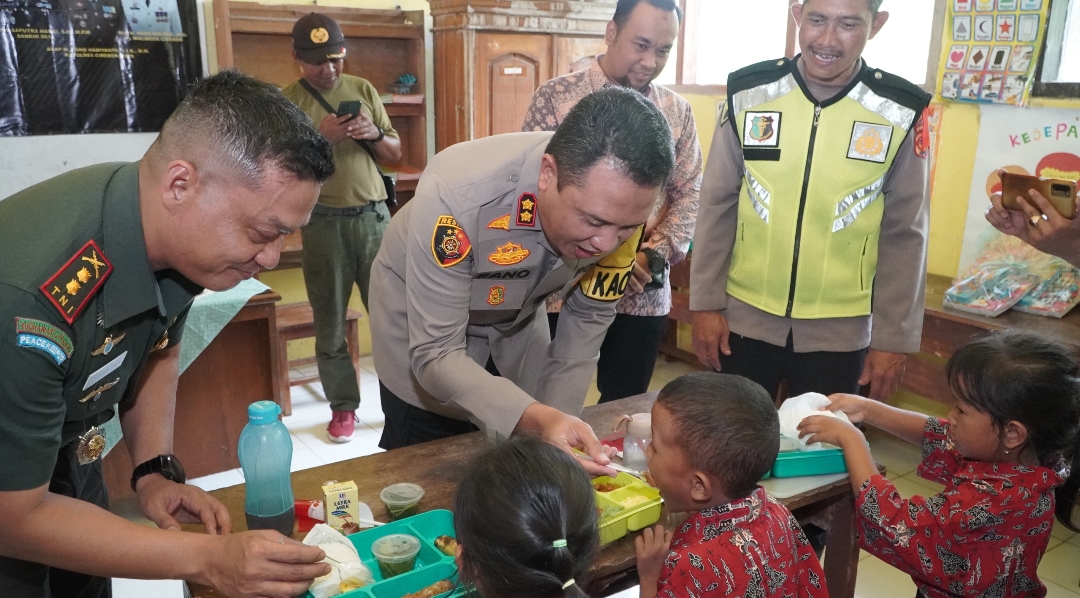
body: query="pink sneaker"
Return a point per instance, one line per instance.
(341, 426)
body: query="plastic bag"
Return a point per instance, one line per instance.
(992, 289)
(795, 409)
(1056, 294)
(347, 572)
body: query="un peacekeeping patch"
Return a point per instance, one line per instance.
(449, 245)
(33, 341)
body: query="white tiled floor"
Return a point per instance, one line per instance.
(311, 413)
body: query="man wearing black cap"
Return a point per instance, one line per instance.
(347, 225)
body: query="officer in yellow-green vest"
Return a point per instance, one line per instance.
(810, 246)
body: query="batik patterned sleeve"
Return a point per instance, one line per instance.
(810, 576)
(672, 235)
(542, 114)
(906, 533)
(940, 460)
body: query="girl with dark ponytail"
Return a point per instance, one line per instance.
(1007, 455)
(526, 522)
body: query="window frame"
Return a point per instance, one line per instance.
(686, 62)
(1054, 90)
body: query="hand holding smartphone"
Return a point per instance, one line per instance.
(349, 107)
(1060, 193)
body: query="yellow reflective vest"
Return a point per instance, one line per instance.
(811, 200)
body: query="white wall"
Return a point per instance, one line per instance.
(25, 161)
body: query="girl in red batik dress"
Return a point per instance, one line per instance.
(1002, 454)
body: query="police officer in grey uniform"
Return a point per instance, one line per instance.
(496, 225)
(100, 267)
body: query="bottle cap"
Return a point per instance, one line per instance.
(263, 412)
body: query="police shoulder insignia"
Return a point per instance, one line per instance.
(449, 245)
(526, 210)
(496, 295)
(501, 223)
(606, 280)
(509, 254)
(922, 135)
(70, 289)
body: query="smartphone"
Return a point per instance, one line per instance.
(1060, 193)
(350, 107)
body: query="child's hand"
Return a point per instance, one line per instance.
(832, 430)
(853, 405)
(652, 548)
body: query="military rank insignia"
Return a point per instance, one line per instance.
(449, 244)
(500, 223)
(70, 289)
(607, 279)
(496, 295)
(526, 210)
(509, 254)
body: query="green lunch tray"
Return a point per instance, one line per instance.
(800, 463)
(431, 564)
(616, 519)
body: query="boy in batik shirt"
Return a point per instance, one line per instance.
(714, 436)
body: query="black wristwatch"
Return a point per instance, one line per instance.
(167, 465)
(382, 134)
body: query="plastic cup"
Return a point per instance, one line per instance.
(396, 554)
(401, 500)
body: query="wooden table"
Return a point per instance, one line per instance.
(240, 366)
(438, 466)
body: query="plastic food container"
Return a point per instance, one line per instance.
(401, 500)
(630, 506)
(396, 554)
(430, 565)
(825, 461)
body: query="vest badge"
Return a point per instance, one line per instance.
(500, 223)
(449, 245)
(526, 210)
(870, 142)
(496, 295)
(70, 289)
(509, 254)
(761, 129)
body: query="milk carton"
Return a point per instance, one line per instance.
(341, 502)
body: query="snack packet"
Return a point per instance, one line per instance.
(347, 573)
(992, 289)
(1056, 294)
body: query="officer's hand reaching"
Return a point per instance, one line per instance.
(261, 563)
(169, 504)
(566, 432)
(711, 335)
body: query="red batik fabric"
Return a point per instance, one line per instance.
(751, 547)
(983, 536)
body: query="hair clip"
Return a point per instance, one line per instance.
(559, 544)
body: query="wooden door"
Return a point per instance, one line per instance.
(574, 54)
(509, 68)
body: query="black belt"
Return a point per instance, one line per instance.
(356, 211)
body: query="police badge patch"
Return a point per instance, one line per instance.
(870, 142)
(449, 245)
(761, 129)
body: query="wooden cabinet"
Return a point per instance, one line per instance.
(382, 46)
(491, 55)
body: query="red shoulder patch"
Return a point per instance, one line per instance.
(922, 135)
(70, 289)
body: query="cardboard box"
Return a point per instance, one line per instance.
(341, 500)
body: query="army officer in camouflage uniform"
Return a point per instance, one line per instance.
(496, 225)
(100, 266)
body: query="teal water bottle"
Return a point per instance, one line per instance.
(265, 456)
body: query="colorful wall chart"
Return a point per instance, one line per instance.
(990, 50)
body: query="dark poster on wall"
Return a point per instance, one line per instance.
(94, 66)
